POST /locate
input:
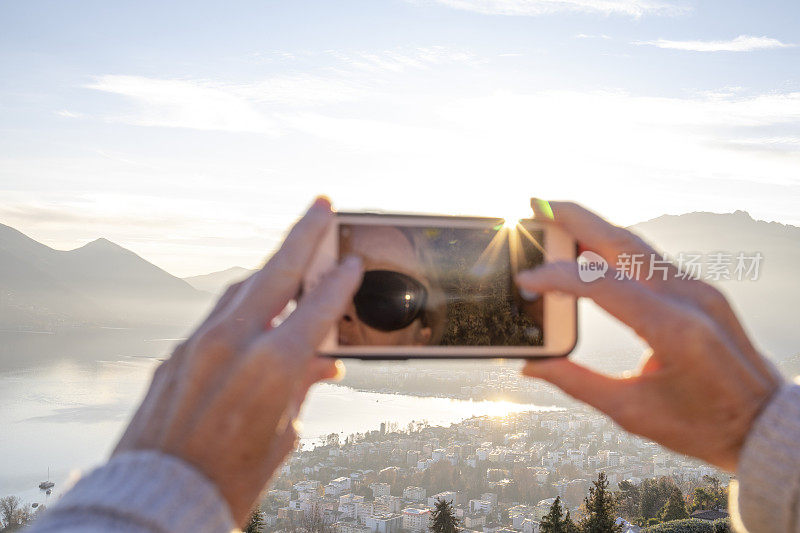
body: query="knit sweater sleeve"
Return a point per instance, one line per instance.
(766, 497)
(140, 492)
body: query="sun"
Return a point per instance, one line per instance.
(515, 215)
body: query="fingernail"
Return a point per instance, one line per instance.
(321, 202)
(340, 371)
(527, 295)
(297, 426)
(541, 208)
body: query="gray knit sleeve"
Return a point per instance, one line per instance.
(767, 498)
(140, 492)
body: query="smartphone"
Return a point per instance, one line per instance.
(443, 287)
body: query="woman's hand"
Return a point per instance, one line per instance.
(701, 385)
(226, 400)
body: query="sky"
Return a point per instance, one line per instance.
(194, 133)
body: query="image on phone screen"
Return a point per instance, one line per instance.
(442, 286)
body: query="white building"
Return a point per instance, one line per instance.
(348, 505)
(385, 523)
(349, 526)
(448, 496)
(337, 486)
(414, 494)
(416, 520)
(480, 507)
(387, 504)
(380, 489)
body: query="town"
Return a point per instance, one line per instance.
(501, 474)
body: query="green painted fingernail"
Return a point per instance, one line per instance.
(541, 208)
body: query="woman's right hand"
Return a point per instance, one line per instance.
(226, 400)
(701, 386)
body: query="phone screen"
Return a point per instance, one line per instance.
(442, 286)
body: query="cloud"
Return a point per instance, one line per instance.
(742, 43)
(634, 8)
(179, 103)
(256, 106)
(69, 114)
(401, 60)
(588, 36)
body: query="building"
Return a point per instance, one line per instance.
(387, 504)
(480, 507)
(542, 508)
(414, 494)
(348, 505)
(380, 489)
(416, 520)
(384, 523)
(448, 496)
(349, 526)
(337, 486)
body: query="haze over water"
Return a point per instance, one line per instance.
(67, 396)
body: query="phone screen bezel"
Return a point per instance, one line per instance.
(560, 310)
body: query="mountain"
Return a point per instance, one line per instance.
(766, 306)
(216, 282)
(104, 284)
(99, 283)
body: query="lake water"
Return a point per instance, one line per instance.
(65, 399)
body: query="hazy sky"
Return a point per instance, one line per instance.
(194, 132)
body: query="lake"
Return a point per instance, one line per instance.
(67, 396)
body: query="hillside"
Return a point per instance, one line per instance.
(99, 283)
(216, 282)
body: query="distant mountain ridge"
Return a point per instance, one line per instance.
(216, 282)
(100, 283)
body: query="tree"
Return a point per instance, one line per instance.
(443, 519)
(555, 521)
(653, 496)
(710, 496)
(628, 501)
(569, 525)
(14, 515)
(256, 523)
(675, 508)
(600, 507)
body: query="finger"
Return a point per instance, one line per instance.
(610, 241)
(324, 368)
(321, 309)
(270, 289)
(597, 234)
(652, 317)
(602, 392)
(224, 300)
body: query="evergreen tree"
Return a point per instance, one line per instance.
(628, 501)
(675, 508)
(553, 521)
(569, 525)
(443, 519)
(256, 523)
(600, 508)
(653, 496)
